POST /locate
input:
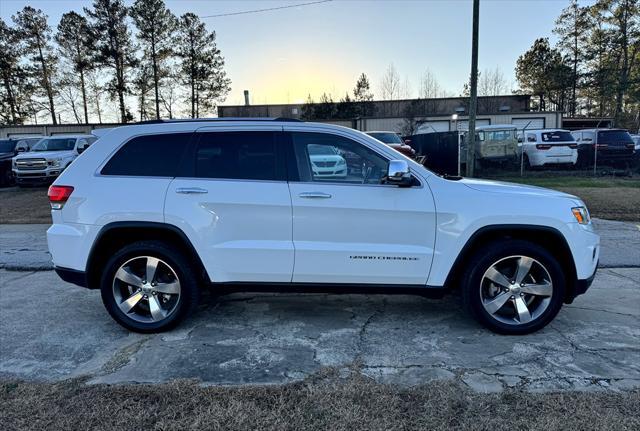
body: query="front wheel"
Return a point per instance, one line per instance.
(513, 287)
(148, 287)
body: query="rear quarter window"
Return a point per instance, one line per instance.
(149, 156)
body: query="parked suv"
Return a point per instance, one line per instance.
(49, 157)
(495, 145)
(604, 147)
(549, 147)
(158, 210)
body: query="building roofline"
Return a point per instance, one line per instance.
(379, 101)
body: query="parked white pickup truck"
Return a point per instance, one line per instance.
(48, 158)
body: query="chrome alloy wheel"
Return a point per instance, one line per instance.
(516, 290)
(146, 289)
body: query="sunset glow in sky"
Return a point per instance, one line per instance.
(281, 56)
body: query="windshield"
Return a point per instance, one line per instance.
(557, 136)
(7, 146)
(321, 150)
(614, 136)
(387, 138)
(55, 144)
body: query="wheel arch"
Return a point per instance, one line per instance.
(545, 236)
(116, 235)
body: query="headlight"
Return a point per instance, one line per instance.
(581, 214)
(342, 162)
(55, 163)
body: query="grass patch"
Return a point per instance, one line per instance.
(321, 402)
(574, 181)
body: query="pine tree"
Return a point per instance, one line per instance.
(363, 96)
(36, 35)
(542, 71)
(572, 27)
(202, 65)
(14, 85)
(156, 27)
(76, 44)
(113, 46)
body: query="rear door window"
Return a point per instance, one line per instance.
(149, 156)
(239, 156)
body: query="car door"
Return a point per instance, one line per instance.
(349, 227)
(233, 201)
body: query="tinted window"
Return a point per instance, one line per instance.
(557, 136)
(149, 156)
(340, 160)
(237, 155)
(614, 136)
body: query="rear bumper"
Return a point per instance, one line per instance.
(73, 276)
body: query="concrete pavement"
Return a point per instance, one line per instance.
(52, 330)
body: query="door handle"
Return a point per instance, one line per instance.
(314, 195)
(191, 190)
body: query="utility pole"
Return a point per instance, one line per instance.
(473, 99)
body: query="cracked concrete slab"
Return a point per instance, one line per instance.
(50, 330)
(24, 247)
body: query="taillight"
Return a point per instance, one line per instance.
(631, 146)
(602, 146)
(58, 195)
(543, 146)
(573, 146)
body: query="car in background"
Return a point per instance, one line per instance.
(7, 152)
(326, 162)
(393, 140)
(604, 146)
(48, 158)
(495, 145)
(549, 147)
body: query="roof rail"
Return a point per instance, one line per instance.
(195, 120)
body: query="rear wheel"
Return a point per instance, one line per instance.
(513, 287)
(149, 287)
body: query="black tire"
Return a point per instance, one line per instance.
(186, 274)
(484, 258)
(527, 164)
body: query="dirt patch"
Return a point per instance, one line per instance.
(612, 203)
(322, 402)
(24, 205)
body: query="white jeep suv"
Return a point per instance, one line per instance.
(50, 156)
(158, 210)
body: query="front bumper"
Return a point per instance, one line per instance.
(31, 176)
(580, 287)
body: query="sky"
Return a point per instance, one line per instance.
(281, 56)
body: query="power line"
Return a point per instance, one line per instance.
(266, 9)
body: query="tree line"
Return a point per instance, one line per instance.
(169, 63)
(593, 68)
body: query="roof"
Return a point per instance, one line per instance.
(602, 129)
(497, 127)
(203, 120)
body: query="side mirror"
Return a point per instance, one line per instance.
(82, 145)
(398, 173)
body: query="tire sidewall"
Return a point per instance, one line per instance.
(485, 258)
(188, 285)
